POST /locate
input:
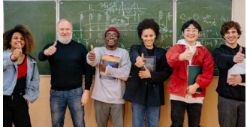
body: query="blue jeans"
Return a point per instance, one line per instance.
(58, 103)
(138, 115)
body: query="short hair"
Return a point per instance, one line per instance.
(194, 23)
(146, 24)
(229, 24)
(65, 20)
(27, 35)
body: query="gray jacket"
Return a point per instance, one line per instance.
(10, 77)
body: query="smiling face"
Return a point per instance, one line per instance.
(231, 37)
(111, 40)
(191, 34)
(64, 29)
(148, 36)
(17, 38)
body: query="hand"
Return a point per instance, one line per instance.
(186, 55)
(192, 88)
(102, 67)
(51, 50)
(17, 52)
(25, 99)
(85, 97)
(234, 80)
(115, 66)
(91, 55)
(239, 57)
(140, 61)
(145, 73)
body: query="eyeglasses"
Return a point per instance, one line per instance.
(189, 30)
(113, 36)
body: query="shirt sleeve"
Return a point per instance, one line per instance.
(122, 72)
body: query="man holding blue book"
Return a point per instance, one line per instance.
(112, 68)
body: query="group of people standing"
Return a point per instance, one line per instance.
(69, 59)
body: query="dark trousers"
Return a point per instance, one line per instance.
(178, 110)
(15, 111)
(231, 112)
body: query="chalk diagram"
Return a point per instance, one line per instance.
(125, 16)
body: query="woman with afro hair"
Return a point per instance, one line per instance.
(145, 89)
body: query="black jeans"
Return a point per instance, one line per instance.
(15, 111)
(178, 110)
(231, 112)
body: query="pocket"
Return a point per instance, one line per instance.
(78, 91)
(53, 92)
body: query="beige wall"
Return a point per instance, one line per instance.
(40, 110)
(238, 15)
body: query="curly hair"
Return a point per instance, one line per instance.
(146, 24)
(27, 35)
(194, 23)
(229, 24)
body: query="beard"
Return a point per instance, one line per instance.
(65, 41)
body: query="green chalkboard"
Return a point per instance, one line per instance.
(91, 19)
(210, 14)
(40, 17)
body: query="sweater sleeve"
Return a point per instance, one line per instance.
(172, 56)
(161, 76)
(87, 70)
(122, 72)
(223, 60)
(42, 56)
(243, 77)
(204, 79)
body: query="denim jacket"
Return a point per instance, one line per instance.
(10, 77)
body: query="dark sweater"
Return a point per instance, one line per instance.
(223, 57)
(67, 65)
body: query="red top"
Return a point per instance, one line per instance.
(22, 69)
(179, 82)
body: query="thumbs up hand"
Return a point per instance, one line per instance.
(17, 52)
(140, 61)
(51, 50)
(91, 55)
(186, 55)
(239, 57)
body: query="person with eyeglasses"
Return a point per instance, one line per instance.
(112, 68)
(145, 89)
(187, 52)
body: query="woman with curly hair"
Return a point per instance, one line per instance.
(145, 89)
(20, 76)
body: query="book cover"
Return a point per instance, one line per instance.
(150, 63)
(110, 60)
(193, 72)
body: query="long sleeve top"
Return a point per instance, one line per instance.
(110, 91)
(67, 66)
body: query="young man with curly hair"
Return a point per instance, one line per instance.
(230, 59)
